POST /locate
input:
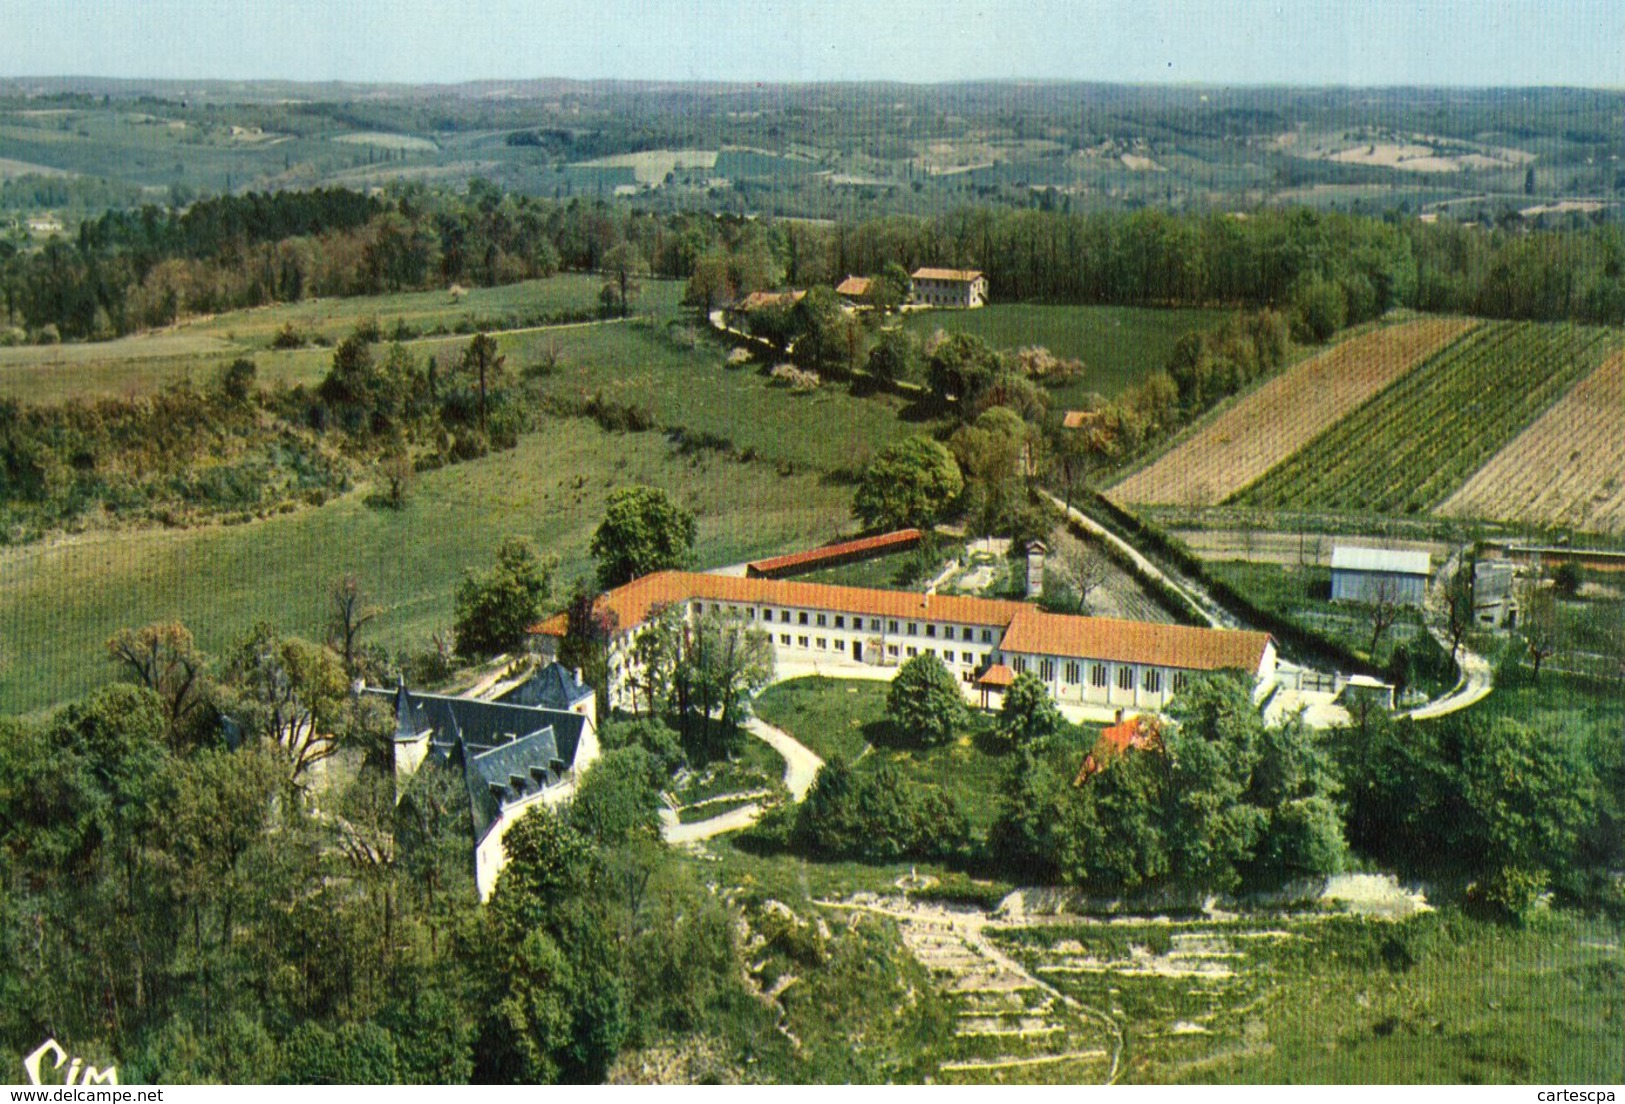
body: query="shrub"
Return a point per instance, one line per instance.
(288, 337)
(925, 703)
(1510, 892)
(799, 380)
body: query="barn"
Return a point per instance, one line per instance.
(1379, 574)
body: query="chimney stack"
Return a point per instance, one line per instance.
(577, 673)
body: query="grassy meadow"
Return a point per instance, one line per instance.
(196, 348)
(1118, 345)
(61, 600)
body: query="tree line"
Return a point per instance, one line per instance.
(134, 268)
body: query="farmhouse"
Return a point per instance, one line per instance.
(1370, 574)
(1081, 660)
(1138, 733)
(854, 289)
(511, 756)
(949, 287)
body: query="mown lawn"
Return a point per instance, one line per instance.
(60, 601)
(830, 716)
(847, 717)
(1119, 345)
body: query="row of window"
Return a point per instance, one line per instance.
(893, 651)
(822, 620)
(1072, 672)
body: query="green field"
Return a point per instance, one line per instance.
(60, 601)
(827, 715)
(196, 349)
(1408, 448)
(1118, 345)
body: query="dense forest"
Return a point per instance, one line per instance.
(132, 269)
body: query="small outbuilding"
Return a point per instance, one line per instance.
(1379, 574)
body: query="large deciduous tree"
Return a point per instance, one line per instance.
(163, 658)
(911, 483)
(1028, 713)
(496, 606)
(644, 530)
(924, 702)
(290, 693)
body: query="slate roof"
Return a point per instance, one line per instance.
(1349, 558)
(552, 687)
(507, 752)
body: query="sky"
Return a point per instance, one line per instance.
(1222, 42)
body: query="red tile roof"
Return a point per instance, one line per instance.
(812, 556)
(1141, 733)
(854, 287)
(1026, 628)
(997, 675)
(1075, 419)
(1035, 632)
(631, 603)
(759, 299)
(961, 275)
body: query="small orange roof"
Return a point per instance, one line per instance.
(1057, 634)
(756, 300)
(997, 675)
(835, 551)
(854, 287)
(1076, 419)
(1141, 733)
(961, 275)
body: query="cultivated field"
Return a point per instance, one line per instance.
(1119, 345)
(1265, 427)
(1567, 469)
(1414, 444)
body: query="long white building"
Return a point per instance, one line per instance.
(1086, 660)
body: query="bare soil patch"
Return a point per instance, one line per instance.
(1566, 469)
(1267, 426)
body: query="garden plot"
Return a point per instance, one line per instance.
(1183, 992)
(1271, 424)
(1567, 469)
(1417, 442)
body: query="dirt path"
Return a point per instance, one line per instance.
(731, 821)
(800, 764)
(800, 768)
(1477, 674)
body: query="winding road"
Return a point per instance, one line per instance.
(800, 768)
